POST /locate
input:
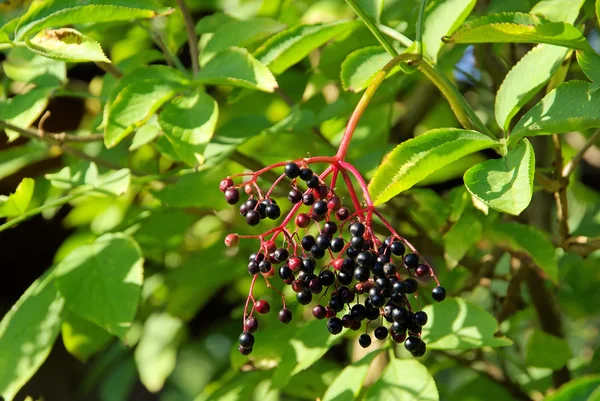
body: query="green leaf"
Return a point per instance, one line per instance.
(529, 240)
(349, 382)
(558, 10)
(156, 353)
(569, 107)
(212, 22)
(579, 389)
(547, 351)
(404, 380)
(84, 176)
(27, 333)
(146, 133)
(525, 79)
(520, 28)
(461, 237)
(81, 337)
(457, 324)
(373, 8)
(504, 184)
(361, 66)
(16, 204)
(598, 10)
(236, 67)
(293, 44)
(101, 282)
(67, 44)
(415, 159)
(15, 158)
(590, 65)
(23, 65)
(23, 110)
(189, 122)
(239, 34)
(442, 18)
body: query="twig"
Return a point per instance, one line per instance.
(513, 301)
(109, 68)
(570, 167)
(60, 138)
(560, 196)
(191, 34)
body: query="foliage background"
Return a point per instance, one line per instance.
(181, 345)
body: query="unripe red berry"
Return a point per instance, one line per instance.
(249, 189)
(295, 263)
(422, 271)
(302, 220)
(232, 240)
(225, 183)
(342, 214)
(319, 311)
(329, 312)
(262, 307)
(251, 324)
(270, 246)
(334, 204)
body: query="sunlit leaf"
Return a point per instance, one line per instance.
(81, 337)
(349, 382)
(590, 65)
(404, 380)
(17, 203)
(67, 44)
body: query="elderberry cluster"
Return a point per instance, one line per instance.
(362, 279)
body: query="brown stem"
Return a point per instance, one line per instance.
(110, 68)
(59, 138)
(570, 167)
(191, 34)
(560, 196)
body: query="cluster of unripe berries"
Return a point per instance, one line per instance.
(360, 279)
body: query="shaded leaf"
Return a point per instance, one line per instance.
(146, 133)
(23, 110)
(101, 282)
(520, 28)
(23, 65)
(590, 65)
(15, 158)
(547, 351)
(17, 203)
(457, 324)
(579, 389)
(361, 66)
(415, 159)
(81, 337)
(67, 44)
(461, 238)
(504, 184)
(404, 380)
(212, 22)
(349, 382)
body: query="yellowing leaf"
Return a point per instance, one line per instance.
(67, 44)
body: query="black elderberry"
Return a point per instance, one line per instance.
(308, 265)
(320, 207)
(411, 285)
(382, 258)
(337, 244)
(327, 278)
(252, 217)
(281, 255)
(399, 315)
(262, 209)
(313, 182)
(315, 286)
(298, 285)
(264, 266)
(323, 241)
(381, 333)
(421, 318)
(364, 258)
(397, 298)
(387, 310)
(364, 340)
(357, 242)
(390, 269)
(245, 351)
(422, 270)
(378, 269)
(411, 261)
(232, 196)
(294, 196)
(398, 327)
(251, 324)
(285, 272)
(397, 248)
(398, 337)
(330, 228)
(302, 275)
(342, 214)
(372, 313)
(357, 229)
(246, 340)
(308, 199)
(317, 252)
(413, 344)
(273, 212)
(251, 204)
(253, 267)
(304, 297)
(361, 274)
(322, 191)
(377, 300)
(439, 293)
(336, 304)
(399, 287)
(319, 312)
(305, 174)
(358, 312)
(355, 325)
(348, 264)
(307, 242)
(308, 279)
(334, 203)
(351, 252)
(292, 170)
(243, 209)
(344, 277)
(346, 294)
(382, 283)
(285, 315)
(334, 325)
(420, 351)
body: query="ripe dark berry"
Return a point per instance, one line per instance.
(420, 351)
(281, 255)
(308, 199)
(361, 274)
(346, 294)
(337, 244)
(381, 332)
(364, 258)
(313, 182)
(398, 327)
(347, 321)
(292, 170)
(253, 267)
(378, 269)
(264, 266)
(334, 204)
(246, 340)
(330, 228)
(262, 209)
(412, 344)
(232, 195)
(308, 265)
(355, 325)
(262, 307)
(411, 261)
(307, 242)
(315, 286)
(317, 252)
(357, 242)
(258, 257)
(336, 304)
(225, 184)
(251, 204)
(334, 325)
(252, 217)
(422, 271)
(326, 278)
(351, 252)
(251, 324)
(305, 174)
(377, 300)
(298, 286)
(372, 313)
(357, 229)
(421, 318)
(319, 312)
(285, 272)
(344, 278)
(390, 269)
(245, 351)
(323, 241)
(439, 293)
(285, 315)
(302, 220)
(399, 287)
(411, 285)
(348, 264)
(320, 207)
(304, 297)
(294, 196)
(364, 340)
(358, 312)
(273, 211)
(399, 315)
(383, 258)
(243, 209)
(397, 248)
(322, 191)
(342, 214)
(398, 337)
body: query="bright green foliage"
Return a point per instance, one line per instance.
(349, 382)
(547, 351)
(15, 158)
(361, 66)
(404, 380)
(84, 177)
(16, 204)
(504, 184)
(460, 324)
(81, 337)
(590, 65)
(520, 28)
(101, 282)
(558, 10)
(23, 65)
(461, 237)
(22, 110)
(416, 158)
(580, 389)
(67, 44)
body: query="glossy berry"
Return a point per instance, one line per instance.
(411, 261)
(243, 209)
(305, 174)
(421, 318)
(264, 266)
(225, 184)
(344, 277)
(439, 293)
(330, 228)
(319, 311)
(246, 340)
(281, 255)
(399, 315)
(364, 258)
(307, 242)
(357, 229)
(357, 242)
(420, 351)
(317, 252)
(351, 252)
(337, 244)
(323, 241)
(334, 325)
(273, 211)
(358, 312)
(361, 274)
(251, 324)
(304, 297)
(298, 286)
(334, 204)
(422, 271)
(322, 191)
(262, 307)
(347, 321)
(336, 304)
(320, 207)
(364, 340)
(327, 278)
(302, 220)
(258, 257)
(245, 351)
(397, 248)
(390, 269)
(377, 300)
(412, 344)
(313, 182)
(308, 199)
(292, 170)
(381, 333)
(342, 214)
(252, 217)
(251, 204)
(411, 285)
(232, 196)
(294, 196)
(285, 315)
(285, 272)
(315, 286)
(398, 337)
(308, 265)
(372, 313)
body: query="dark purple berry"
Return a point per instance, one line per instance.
(313, 182)
(308, 265)
(336, 304)
(357, 229)
(317, 252)
(319, 312)
(439, 293)
(308, 199)
(252, 217)
(334, 325)
(304, 297)
(307, 242)
(292, 170)
(390, 269)
(253, 267)
(243, 209)
(420, 351)
(281, 255)
(364, 340)
(372, 313)
(412, 344)
(344, 277)
(232, 195)
(337, 244)
(342, 214)
(315, 286)
(381, 333)
(320, 207)
(302, 220)
(305, 174)
(251, 324)
(422, 271)
(323, 241)
(285, 272)
(421, 318)
(246, 340)
(358, 312)
(285, 315)
(411, 285)
(334, 204)
(361, 274)
(397, 248)
(357, 242)
(245, 351)
(411, 261)
(327, 278)
(399, 315)
(330, 228)
(294, 196)
(273, 212)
